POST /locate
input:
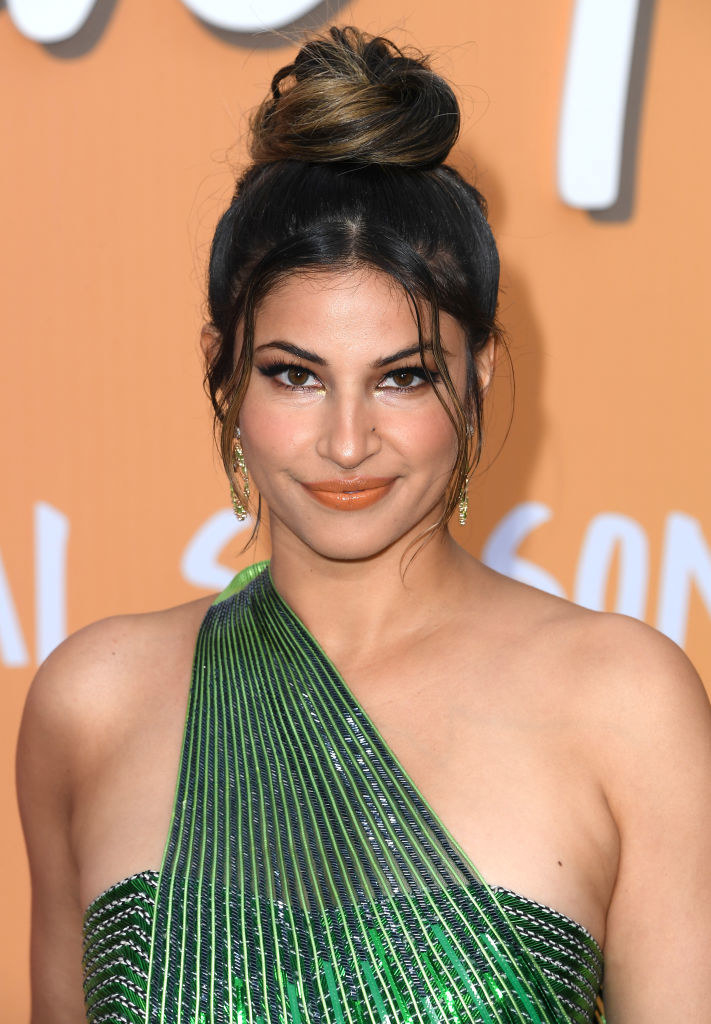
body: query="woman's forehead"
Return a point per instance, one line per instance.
(362, 301)
(319, 283)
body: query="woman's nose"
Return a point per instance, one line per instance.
(348, 432)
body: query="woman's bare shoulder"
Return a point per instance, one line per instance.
(98, 680)
(646, 700)
(608, 649)
(622, 663)
(647, 721)
(641, 717)
(620, 674)
(103, 686)
(634, 689)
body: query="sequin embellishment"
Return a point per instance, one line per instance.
(305, 879)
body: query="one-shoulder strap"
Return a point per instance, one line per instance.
(240, 581)
(305, 879)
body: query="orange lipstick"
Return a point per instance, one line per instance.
(352, 494)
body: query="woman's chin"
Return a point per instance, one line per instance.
(350, 541)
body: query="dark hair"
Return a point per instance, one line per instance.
(348, 172)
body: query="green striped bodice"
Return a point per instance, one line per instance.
(117, 937)
(305, 879)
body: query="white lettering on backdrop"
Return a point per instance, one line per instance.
(685, 569)
(250, 15)
(200, 563)
(610, 534)
(53, 21)
(12, 642)
(686, 560)
(501, 549)
(594, 102)
(51, 532)
(595, 89)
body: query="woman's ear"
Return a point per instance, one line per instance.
(486, 363)
(210, 339)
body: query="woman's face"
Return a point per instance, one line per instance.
(342, 435)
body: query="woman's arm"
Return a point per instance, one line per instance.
(656, 746)
(106, 709)
(51, 755)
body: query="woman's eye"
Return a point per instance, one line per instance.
(297, 376)
(403, 378)
(408, 378)
(291, 375)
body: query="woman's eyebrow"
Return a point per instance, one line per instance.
(404, 353)
(311, 357)
(294, 350)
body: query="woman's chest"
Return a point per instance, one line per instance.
(510, 785)
(503, 765)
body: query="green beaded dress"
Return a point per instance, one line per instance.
(305, 879)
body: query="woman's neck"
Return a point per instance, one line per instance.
(354, 608)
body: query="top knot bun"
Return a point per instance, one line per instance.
(353, 98)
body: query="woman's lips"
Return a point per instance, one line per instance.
(350, 495)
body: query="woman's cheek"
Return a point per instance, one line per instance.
(426, 433)
(274, 431)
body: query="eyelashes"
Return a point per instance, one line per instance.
(278, 368)
(411, 378)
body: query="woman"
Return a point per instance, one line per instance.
(409, 789)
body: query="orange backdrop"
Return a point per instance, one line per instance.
(119, 150)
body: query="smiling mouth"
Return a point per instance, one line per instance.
(350, 495)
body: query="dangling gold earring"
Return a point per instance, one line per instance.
(238, 463)
(464, 502)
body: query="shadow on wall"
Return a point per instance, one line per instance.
(514, 419)
(88, 35)
(515, 424)
(623, 209)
